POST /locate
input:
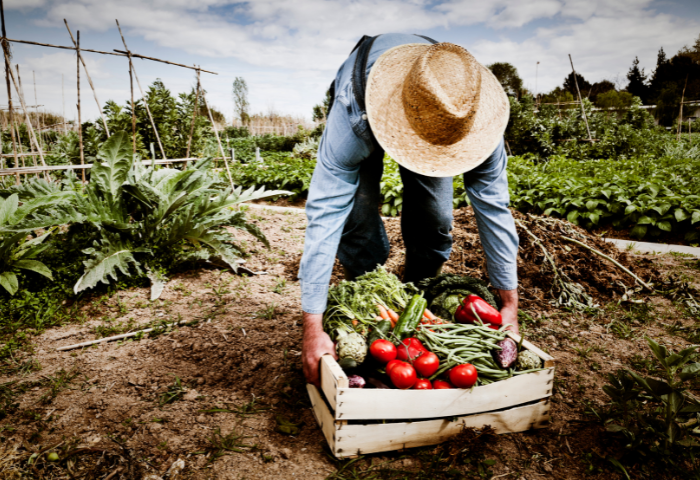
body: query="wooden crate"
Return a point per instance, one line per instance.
(414, 418)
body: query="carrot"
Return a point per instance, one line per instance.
(378, 318)
(394, 316)
(383, 312)
(354, 322)
(429, 314)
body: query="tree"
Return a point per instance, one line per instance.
(600, 88)
(240, 99)
(508, 76)
(558, 95)
(637, 85)
(583, 85)
(614, 99)
(320, 111)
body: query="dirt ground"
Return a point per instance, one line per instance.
(224, 393)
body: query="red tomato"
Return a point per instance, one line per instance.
(415, 343)
(403, 376)
(422, 384)
(408, 350)
(441, 385)
(463, 376)
(427, 364)
(383, 350)
(390, 366)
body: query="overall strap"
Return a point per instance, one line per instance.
(426, 38)
(359, 72)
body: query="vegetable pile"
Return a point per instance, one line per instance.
(387, 336)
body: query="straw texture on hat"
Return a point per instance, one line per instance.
(435, 109)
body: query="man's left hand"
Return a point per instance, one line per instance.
(509, 309)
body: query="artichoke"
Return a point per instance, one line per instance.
(352, 348)
(528, 360)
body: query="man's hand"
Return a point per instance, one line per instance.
(509, 309)
(316, 344)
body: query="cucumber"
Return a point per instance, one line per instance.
(410, 318)
(381, 330)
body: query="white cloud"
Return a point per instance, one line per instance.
(289, 50)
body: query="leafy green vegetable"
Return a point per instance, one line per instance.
(358, 300)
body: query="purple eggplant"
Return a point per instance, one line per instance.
(507, 355)
(356, 381)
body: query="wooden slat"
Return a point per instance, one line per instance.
(323, 415)
(332, 378)
(361, 439)
(546, 358)
(377, 404)
(23, 170)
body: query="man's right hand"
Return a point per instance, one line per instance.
(316, 343)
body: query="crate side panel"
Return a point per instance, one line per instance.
(323, 415)
(332, 378)
(386, 404)
(361, 439)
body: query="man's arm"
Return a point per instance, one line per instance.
(316, 344)
(487, 188)
(509, 309)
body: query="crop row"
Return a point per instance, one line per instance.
(645, 194)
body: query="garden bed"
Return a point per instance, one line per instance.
(240, 369)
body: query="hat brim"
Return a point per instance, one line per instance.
(394, 133)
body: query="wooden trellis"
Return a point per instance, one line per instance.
(17, 153)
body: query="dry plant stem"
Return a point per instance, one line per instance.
(194, 116)
(583, 109)
(110, 339)
(87, 74)
(617, 264)
(143, 95)
(80, 121)
(218, 140)
(32, 136)
(6, 55)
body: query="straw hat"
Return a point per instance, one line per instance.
(435, 109)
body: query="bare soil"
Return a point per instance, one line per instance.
(240, 370)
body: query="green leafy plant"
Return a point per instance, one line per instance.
(656, 414)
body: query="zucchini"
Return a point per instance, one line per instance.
(410, 318)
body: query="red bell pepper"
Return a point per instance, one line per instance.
(475, 308)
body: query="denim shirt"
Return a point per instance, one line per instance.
(346, 141)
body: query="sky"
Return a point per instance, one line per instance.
(289, 50)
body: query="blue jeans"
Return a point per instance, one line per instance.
(426, 222)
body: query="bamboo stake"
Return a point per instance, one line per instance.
(21, 95)
(218, 140)
(143, 95)
(118, 54)
(63, 93)
(87, 74)
(680, 114)
(131, 84)
(165, 61)
(36, 107)
(8, 70)
(194, 115)
(80, 121)
(32, 136)
(617, 264)
(583, 109)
